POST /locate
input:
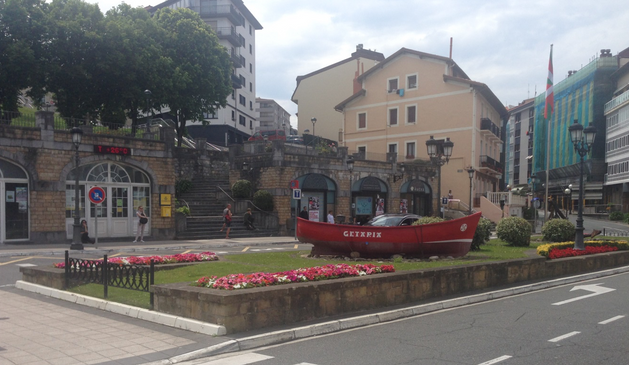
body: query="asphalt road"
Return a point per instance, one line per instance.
(583, 323)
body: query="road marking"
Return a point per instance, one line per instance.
(185, 252)
(296, 246)
(611, 320)
(594, 288)
(10, 262)
(557, 339)
(496, 360)
(221, 252)
(7, 285)
(245, 249)
(25, 265)
(116, 254)
(239, 360)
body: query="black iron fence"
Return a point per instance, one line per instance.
(611, 232)
(103, 272)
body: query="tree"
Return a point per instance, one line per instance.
(22, 32)
(75, 57)
(200, 71)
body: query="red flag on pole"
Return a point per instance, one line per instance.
(550, 97)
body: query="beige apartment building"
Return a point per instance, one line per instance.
(318, 92)
(411, 96)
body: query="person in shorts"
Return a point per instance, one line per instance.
(227, 219)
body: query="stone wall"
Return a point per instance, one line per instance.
(251, 309)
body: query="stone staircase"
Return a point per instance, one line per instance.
(206, 213)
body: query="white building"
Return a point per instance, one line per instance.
(271, 115)
(235, 26)
(519, 146)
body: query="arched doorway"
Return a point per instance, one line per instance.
(318, 193)
(416, 194)
(126, 188)
(14, 198)
(369, 199)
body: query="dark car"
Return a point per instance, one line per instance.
(393, 220)
(295, 139)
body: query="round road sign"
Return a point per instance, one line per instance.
(96, 195)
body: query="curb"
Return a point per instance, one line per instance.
(277, 337)
(126, 310)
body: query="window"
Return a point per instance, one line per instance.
(250, 105)
(250, 68)
(242, 80)
(210, 115)
(251, 86)
(411, 81)
(392, 85)
(250, 49)
(243, 61)
(242, 121)
(411, 114)
(243, 100)
(410, 150)
(393, 148)
(392, 116)
(233, 115)
(250, 30)
(241, 39)
(362, 120)
(362, 150)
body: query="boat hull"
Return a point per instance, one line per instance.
(448, 238)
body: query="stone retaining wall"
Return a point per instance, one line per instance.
(250, 309)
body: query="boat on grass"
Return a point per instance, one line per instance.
(448, 238)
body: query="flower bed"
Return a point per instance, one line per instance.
(166, 259)
(241, 281)
(558, 250)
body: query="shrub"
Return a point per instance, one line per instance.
(515, 231)
(241, 189)
(182, 186)
(183, 210)
(529, 213)
(482, 234)
(263, 200)
(558, 230)
(616, 216)
(428, 220)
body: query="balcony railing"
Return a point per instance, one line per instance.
(487, 125)
(229, 33)
(223, 11)
(236, 82)
(236, 59)
(619, 100)
(489, 163)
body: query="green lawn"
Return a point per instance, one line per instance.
(495, 250)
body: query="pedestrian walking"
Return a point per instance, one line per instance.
(330, 217)
(248, 220)
(304, 213)
(227, 220)
(142, 221)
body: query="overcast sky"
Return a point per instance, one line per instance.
(502, 43)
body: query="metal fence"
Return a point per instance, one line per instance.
(611, 232)
(134, 277)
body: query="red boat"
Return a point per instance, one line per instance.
(449, 238)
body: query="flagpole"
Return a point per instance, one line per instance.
(550, 99)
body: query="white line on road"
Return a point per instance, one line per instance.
(557, 339)
(496, 360)
(239, 359)
(611, 320)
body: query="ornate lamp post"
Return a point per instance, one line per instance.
(582, 141)
(313, 120)
(439, 152)
(470, 172)
(77, 134)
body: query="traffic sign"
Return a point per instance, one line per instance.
(96, 195)
(297, 194)
(294, 184)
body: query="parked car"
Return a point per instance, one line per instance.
(393, 220)
(274, 134)
(295, 139)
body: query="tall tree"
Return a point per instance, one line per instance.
(200, 72)
(22, 32)
(76, 54)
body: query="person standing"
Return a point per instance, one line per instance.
(142, 221)
(330, 217)
(248, 218)
(227, 220)
(85, 238)
(304, 213)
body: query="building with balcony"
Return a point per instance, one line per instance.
(581, 96)
(617, 137)
(315, 98)
(235, 27)
(271, 115)
(519, 143)
(411, 96)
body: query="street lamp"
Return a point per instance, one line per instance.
(148, 94)
(582, 141)
(439, 152)
(470, 172)
(313, 120)
(400, 176)
(534, 203)
(350, 168)
(77, 134)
